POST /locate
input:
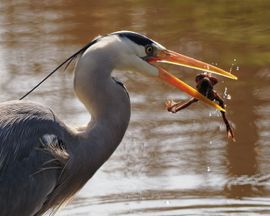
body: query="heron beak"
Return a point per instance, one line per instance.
(171, 57)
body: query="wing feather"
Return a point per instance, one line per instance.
(32, 156)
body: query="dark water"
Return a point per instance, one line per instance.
(167, 164)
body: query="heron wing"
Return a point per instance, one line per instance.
(32, 156)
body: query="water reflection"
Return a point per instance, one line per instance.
(167, 164)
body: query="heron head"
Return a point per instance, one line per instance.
(133, 51)
(143, 54)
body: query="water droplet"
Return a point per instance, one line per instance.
(210, 142)
(231, 68)
(208, 169)
(237, 68)
(225, 92)
(229, 97)
(167, 202)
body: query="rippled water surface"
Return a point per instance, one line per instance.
(167, 164)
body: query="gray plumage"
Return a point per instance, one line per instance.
(26, 159)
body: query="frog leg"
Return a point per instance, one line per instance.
(175, 107)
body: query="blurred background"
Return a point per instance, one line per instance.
(167, 164)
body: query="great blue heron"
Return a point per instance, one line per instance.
(43, 162)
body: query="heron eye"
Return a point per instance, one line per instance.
(149, 50)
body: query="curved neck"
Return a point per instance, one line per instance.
(108, 104)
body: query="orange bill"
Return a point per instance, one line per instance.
(171, 57)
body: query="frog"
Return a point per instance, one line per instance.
(205, 85)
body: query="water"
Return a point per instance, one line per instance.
(167, 164)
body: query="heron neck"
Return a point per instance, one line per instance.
(109, 107)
